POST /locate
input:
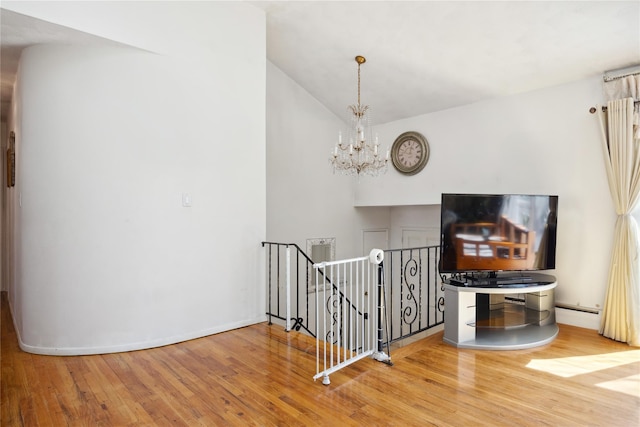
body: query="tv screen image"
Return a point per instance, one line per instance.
(492, 232)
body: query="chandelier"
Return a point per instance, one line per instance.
(358, 156)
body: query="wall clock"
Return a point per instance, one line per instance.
(410, 153)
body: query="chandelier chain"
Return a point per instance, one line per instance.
(358, 83)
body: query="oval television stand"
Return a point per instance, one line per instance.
(503, 313)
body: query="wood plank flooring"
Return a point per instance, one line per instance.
(262, 376)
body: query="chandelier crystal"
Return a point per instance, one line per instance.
(357, 155)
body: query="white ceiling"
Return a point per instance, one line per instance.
(18, 32)
(422, 56)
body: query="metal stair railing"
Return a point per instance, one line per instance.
(415, 290)
(413, 286)
(291, 288)
(279, 269)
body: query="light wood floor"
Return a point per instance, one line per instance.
(260, 375)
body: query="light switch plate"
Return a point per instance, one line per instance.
(186, 200)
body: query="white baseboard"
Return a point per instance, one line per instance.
(142, 345)
(581, 319)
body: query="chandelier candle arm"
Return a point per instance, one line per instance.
(359, 157)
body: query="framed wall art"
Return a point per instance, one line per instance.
(11, 160)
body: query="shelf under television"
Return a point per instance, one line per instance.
(485, 318)
(512, 315)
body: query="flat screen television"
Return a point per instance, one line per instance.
(497, 232)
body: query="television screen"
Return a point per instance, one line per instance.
(482, 232)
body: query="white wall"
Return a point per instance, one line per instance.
(304, 199)
(425, 218)
(107, 258)
(8, 221)
(542, 142)
(168, 273)
(4, 136)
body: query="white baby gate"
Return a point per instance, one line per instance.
(349, 313)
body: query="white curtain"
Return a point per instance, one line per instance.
(620, 141)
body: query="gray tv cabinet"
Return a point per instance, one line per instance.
(496, 317)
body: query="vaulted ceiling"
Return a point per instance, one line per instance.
(427, 56)
(422, 56)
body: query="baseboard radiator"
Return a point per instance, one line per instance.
(577, 308)
(575, 315)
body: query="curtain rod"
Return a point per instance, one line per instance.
(592, 110)
(620, 73)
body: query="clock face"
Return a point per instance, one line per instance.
(409, 153)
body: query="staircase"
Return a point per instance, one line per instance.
(325, 302)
